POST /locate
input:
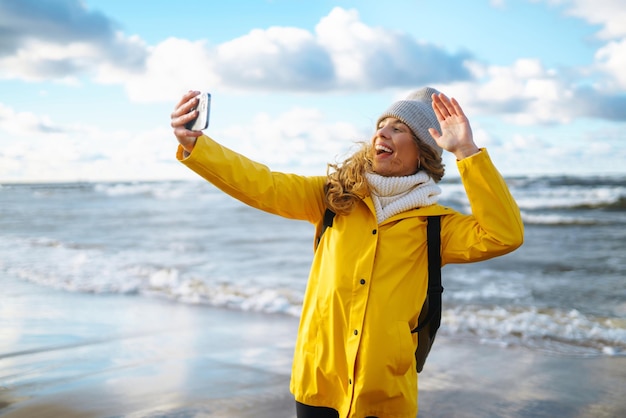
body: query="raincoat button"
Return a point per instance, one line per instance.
(356, 332)
(362, 281)
(373, 232)
(349, 381)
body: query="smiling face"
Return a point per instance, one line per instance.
(395, 153)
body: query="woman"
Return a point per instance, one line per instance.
(354, 353)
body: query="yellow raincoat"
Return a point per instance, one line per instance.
(355, 350)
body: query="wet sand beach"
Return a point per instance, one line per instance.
(84, 355)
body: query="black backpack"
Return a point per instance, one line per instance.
(430, 315)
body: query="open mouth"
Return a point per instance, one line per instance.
(381, 149)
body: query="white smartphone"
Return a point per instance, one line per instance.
(204, 109)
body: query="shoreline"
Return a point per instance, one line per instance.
(84, 355)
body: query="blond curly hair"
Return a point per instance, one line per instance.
(347, 184)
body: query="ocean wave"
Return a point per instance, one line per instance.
(565, 332)
(549, 181)
(167, 283)
(570, 199)
(610, 204)
(159, 190)
(163, 283)
(569, 332)
(556, 220)
(609, 198)
(618, 205)
(53, 243)
(583, 181)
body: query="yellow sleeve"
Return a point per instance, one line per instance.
(289, 195)
(495, 226)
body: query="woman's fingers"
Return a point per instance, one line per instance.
(186, 103)
(186, 100)
(458, 110)
(440, 106)
(183, 119)
(445, 107)
(183, 112)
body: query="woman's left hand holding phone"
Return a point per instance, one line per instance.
(183, 113)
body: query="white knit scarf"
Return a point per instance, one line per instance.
(393, 195)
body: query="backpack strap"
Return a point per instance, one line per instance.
(435, 289)
(329, 216)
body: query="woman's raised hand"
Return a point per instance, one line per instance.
(456, 133)
(183, 113)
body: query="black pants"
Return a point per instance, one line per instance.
(306, 411)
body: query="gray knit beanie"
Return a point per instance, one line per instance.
(416, 111)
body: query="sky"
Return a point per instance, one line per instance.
(87, 87)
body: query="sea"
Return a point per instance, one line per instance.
(563, 291)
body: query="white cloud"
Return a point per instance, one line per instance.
(524, 154)
(35, 148)
(483, 137)
(525, 93)
(374, 57)
(301, 140)
(172, 67)
(26, 124)
(301, 137)
(610, 18)
(524, 143)
(612, 59)
(609, 14)
(342, 53)
(91, 155)
(62, 41)
(274, 59)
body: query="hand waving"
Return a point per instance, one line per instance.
(456, 133)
